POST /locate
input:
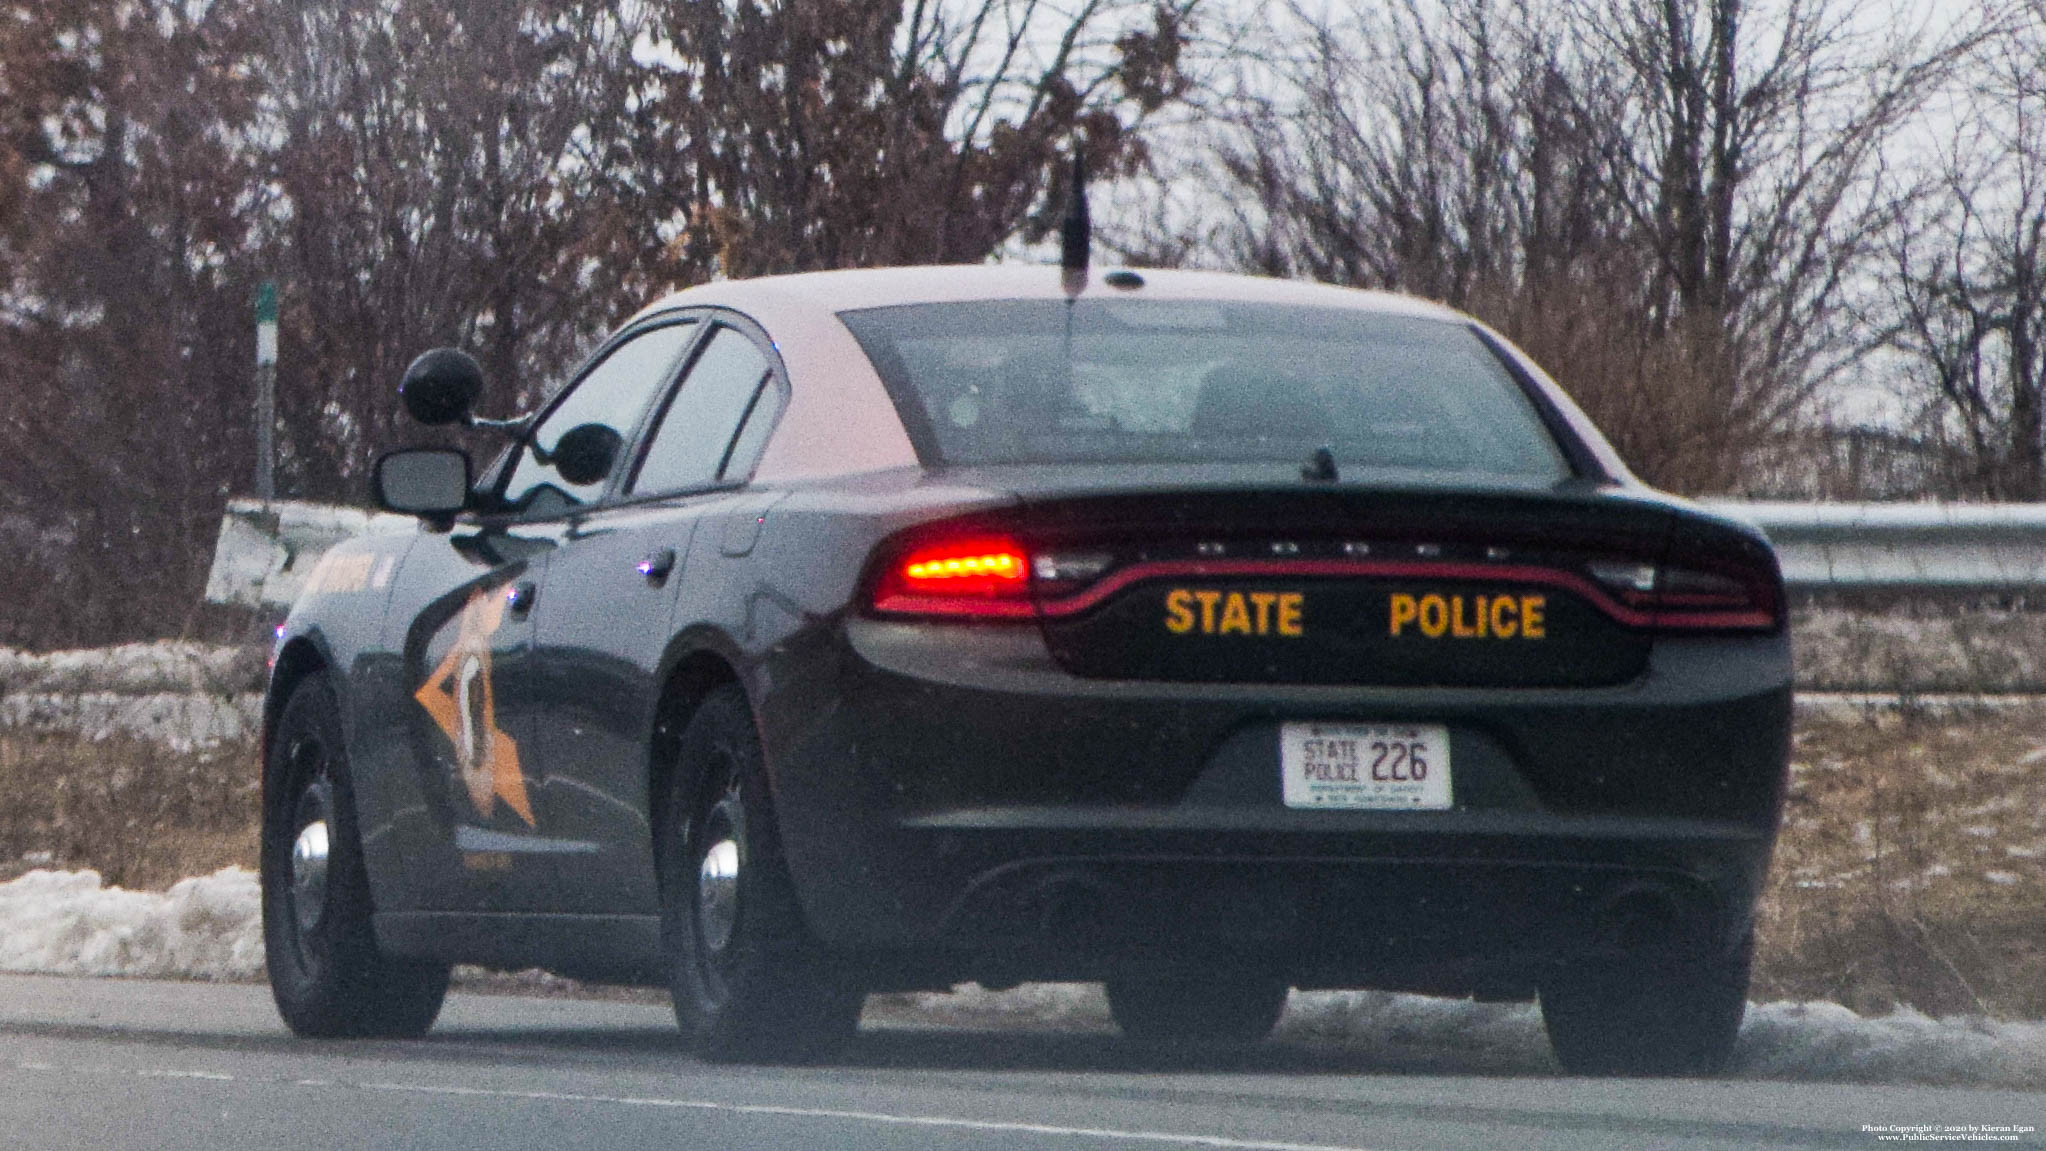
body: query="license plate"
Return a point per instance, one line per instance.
(1365, 766)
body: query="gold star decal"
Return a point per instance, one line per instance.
(463, 703)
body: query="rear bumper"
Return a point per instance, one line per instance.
(950, 793)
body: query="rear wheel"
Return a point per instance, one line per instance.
(1197, 1007)
(1667, 1015)
(748, 979)
(326, 973)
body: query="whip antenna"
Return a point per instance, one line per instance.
(1076, 232)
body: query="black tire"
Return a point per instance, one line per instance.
(1197, 1008)
(750, 983)
(326, 973)
(1651, 1016)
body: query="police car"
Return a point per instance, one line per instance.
(1206, 636)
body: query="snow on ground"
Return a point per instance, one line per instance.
(1799, 1041)
(134, 669)
(66, 923)
(180, 722)
(182, 695)
(1827, 1041)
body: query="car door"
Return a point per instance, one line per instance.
(463, 616)
(605, 616)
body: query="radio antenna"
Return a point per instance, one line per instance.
(1076, 232)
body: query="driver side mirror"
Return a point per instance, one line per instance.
(431, 483)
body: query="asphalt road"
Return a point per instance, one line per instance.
(132, 1064)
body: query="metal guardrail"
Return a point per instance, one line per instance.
(265, 551)
(1922, 547)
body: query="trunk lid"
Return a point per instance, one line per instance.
(1426, 586)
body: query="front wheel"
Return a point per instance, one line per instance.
(1197, 1008)
(748, 979)
(1663, 1015)
(326, 973)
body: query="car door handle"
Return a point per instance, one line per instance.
(657, 566)
(521, 596)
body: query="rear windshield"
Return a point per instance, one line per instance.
(1129, 381)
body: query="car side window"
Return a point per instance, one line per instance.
(571, 453)
(692, 447)
(752, 435)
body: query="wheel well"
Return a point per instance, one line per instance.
(298, 660)
(699, 674)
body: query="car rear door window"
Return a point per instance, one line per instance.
(612, 395)
(693, 445)
(753, 434)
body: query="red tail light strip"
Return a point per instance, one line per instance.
(1757, 618)
(976, 607)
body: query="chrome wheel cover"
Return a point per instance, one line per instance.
(717, 894)
(309, 874)
(717, 873)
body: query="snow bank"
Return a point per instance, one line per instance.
(171, 666)
(1797, 1041)
(182, 695)
(179, 722)
(1827, 1041)
(1033, 1006)
(65, 923)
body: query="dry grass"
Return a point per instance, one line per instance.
(1920, 647)
(1912, 867)
(140, 814)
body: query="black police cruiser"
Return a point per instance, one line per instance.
(1208, 636)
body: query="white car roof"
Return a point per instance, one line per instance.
(833, 292)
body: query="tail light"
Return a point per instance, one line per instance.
(1695, 596)
(976, 576)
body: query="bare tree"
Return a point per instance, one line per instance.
(514, 176)
(447, 171)
(122, 326)
(1967, 274)
(509, 175)
(1667, 201)
(841, 133)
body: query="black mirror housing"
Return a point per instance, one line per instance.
(441, 387)
(584, 454)
(431, 483)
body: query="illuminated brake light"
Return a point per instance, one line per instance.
(978, 577)
(996, 566)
